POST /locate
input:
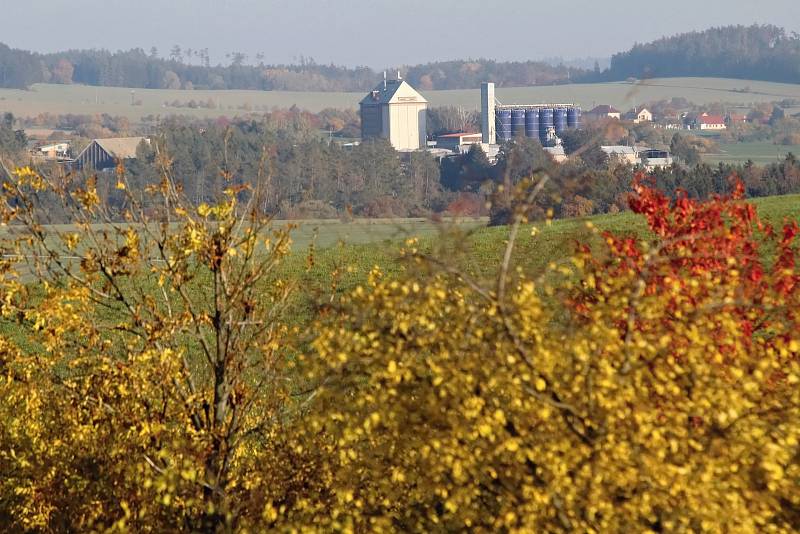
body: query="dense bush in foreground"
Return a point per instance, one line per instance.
(152, 383)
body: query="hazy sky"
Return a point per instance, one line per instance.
(375, 32)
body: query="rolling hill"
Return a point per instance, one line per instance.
(79, 99)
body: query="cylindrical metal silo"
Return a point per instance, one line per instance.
(532, 123)
(560, 120)
(574, 118)
(518, 122)
(545, 123)
(503, 124)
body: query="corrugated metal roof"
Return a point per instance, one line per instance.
(395, 92)
(120, 147)
(618, 149)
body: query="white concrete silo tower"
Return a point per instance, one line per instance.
(395, 111)
(488, 126)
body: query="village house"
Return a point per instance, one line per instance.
(639, 116)
(652, 159)
(648, 158)
(704, 121)
(621, 154)
(604, 112)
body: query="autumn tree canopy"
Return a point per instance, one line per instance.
(152, 380)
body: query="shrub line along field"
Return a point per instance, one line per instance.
(80, 99)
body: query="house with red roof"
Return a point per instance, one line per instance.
(704, 121)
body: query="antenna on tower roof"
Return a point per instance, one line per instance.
(398, 76)
(384, 80)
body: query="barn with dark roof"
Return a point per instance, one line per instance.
(104, 154)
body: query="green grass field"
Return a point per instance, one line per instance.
(477, 250)
(60, 99)
(759, 153)
(352, 249)
(466, 243)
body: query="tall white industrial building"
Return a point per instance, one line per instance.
(488, 126)
(395, 111)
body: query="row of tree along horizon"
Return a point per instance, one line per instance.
(756, 52)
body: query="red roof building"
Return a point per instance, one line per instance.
(710, 122)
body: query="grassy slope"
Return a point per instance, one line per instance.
(478, 251)
(482, 248)
(353, 249)
(117, 100)
(760, 153)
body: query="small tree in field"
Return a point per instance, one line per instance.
(147, 373)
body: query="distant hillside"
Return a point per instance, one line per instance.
(193, 70)
(766, 53)
(470, 73)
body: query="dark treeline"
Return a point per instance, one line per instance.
(13, 141)
(137, 68)
(469, 74)
(19, 68)
(755, 52)
(295, 172)
(141, 69)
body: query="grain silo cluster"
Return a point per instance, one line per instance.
(397, 112)
(545, 122)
